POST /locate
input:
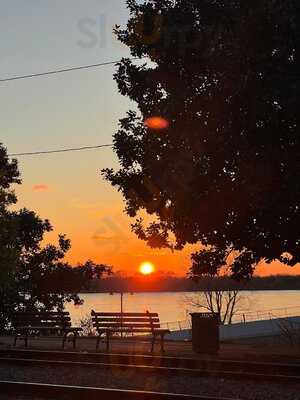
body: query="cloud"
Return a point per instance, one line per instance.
(85, 205)
(41, 188)
(106, 238)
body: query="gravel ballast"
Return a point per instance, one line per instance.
(131, 380)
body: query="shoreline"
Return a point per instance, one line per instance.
(183, 291)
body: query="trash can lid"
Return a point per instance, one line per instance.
(205, 314)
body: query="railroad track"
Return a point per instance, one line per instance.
(226, 369)
(64, 392)
(159, 361)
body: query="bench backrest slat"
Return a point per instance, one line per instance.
(43, 319)
(127, 325)
(118, 314)
(135, 322)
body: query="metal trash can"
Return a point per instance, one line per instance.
(205, 333)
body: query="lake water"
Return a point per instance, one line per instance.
(174, 306)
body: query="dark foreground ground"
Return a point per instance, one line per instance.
(95, 377)
(150, 382)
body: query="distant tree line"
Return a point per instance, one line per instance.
(177, 284)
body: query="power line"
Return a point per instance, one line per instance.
(36, 153)
(62, 71)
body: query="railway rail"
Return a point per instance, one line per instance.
(63, 392)
(227, 369)
(154, 360)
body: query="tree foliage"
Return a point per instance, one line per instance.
(225, 173)
(9, 175)
(33, 277)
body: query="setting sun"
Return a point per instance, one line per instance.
(146, 268)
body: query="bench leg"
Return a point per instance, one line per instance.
(64, 340)
(21, 337)
(152, 343)
(162, 342)
(74, 340)
(98, 340)
(107, 340)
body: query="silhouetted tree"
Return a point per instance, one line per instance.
(225, 173)
(218, 293)
(223, 302)
(9, 175)
(33, 277)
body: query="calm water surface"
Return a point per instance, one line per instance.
(173, 306)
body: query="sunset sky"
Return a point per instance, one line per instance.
(70, 110)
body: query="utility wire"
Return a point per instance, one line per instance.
(36, 153)
(62, 71)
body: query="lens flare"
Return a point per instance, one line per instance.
(156, 123)
(146, 268)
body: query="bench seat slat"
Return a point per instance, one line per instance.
(127, 319)
(44, 320)
(134, 330)
(40, 327)
(47, 328)
(41, 322)
(45, 317)
(119, 325)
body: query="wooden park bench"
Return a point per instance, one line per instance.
(107, 323)
(27, 324)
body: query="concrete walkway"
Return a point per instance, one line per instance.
(249, 330)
